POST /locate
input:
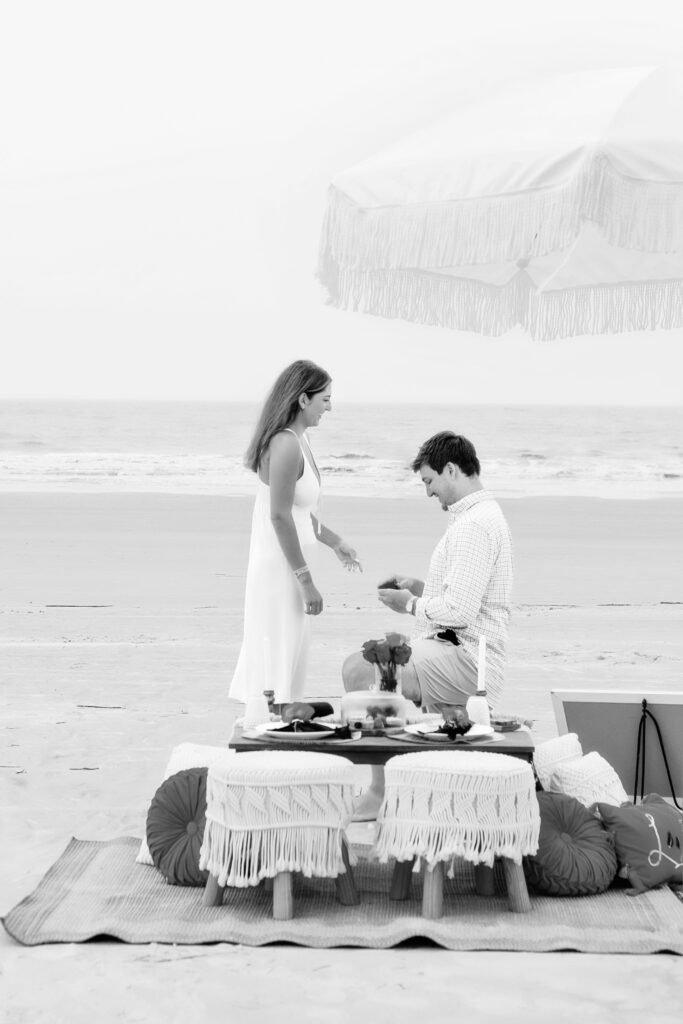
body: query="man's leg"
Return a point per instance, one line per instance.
(358, 674)
(445, 676)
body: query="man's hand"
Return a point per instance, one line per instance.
(397, 600)
(416, 587)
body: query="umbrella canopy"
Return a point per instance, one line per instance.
(558, 207)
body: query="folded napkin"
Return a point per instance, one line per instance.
(454, 731)
(341, 732)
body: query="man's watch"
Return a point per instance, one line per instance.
(410, 607)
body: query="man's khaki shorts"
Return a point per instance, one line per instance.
(444, 673)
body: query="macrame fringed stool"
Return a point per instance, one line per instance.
(469, 804)
(273, 813)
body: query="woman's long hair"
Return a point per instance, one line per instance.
(282, 405)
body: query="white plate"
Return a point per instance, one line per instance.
(430, 731)
(276, 726)
(296, 737)
(273, 730)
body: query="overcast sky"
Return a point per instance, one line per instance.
(163, 174)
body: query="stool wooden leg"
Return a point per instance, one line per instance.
(283, 897)
(347, 894)
(401, 879)
(432, 892)
(518, 896)
(213, 892)
(483, 880)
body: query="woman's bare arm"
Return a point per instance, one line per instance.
(344, 552)
(324, 534)
(284, 464)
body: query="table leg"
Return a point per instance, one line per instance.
(401, 879)
(432, 893)
(345, 884)
(484, 880)
(213, 892)
(283, 896)
(518, 896)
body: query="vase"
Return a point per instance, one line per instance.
(389, 680)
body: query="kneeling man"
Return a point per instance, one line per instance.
(466, 594)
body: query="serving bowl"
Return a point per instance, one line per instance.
(361, 708)
(508, 723)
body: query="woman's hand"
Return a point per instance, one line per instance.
(312, 598)
(347, 556)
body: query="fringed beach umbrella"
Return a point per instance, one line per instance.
(558, 208)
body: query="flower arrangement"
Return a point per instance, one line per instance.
(456, 722)
(388, 655)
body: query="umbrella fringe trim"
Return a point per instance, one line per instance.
(633, 214)
(433, 299)
(499, 229)
(607, 309)
(465, 305)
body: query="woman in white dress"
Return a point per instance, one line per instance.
(281, 596)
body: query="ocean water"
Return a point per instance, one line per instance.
(362, 450)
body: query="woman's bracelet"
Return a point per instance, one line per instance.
(301, 571)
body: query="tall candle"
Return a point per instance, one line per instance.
(256, 711)
(477, 705)
(481, 664)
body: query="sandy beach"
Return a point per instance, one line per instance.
(120, 623)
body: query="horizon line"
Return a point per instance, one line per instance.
(342, 402)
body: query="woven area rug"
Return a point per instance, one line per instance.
(97, 889)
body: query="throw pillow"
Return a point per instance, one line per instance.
(550, 754)
(186, 755)
(575, 854)
(175, 827)
(589, 779)
(649, 840)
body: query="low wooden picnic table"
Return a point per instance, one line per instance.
(378, 749)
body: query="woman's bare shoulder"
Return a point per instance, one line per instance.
(284, 441)
(284, 448)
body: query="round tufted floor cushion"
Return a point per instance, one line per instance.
(575, 854)
(175, 827)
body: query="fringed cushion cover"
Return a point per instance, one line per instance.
(275, 811)
(175, 827)
(649, 840)
(576, 856)
(467, 804)
(549, 755)
(186, 755)
(589, 779)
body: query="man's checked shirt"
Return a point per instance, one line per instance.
(469, 584)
